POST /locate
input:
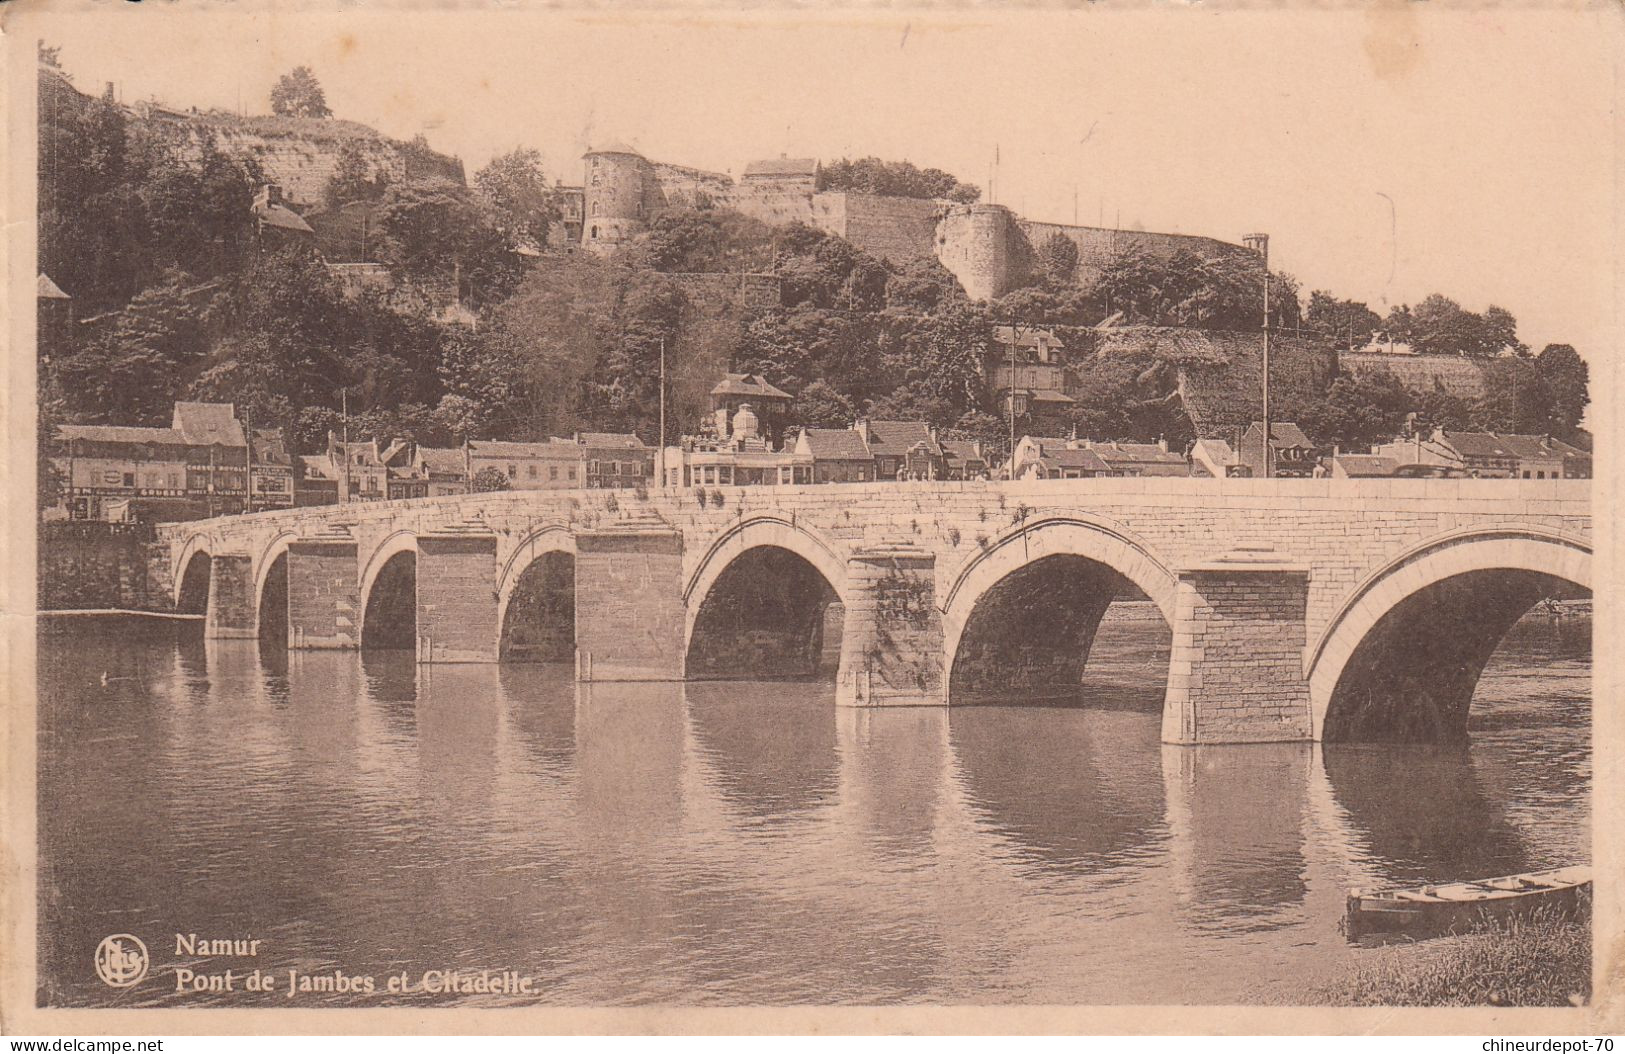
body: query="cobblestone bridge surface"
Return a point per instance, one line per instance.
(1289, 601)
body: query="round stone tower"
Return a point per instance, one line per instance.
(978, 245)
(613, 196)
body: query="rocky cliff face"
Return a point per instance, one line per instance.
(298, 154)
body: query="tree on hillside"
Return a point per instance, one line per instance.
(1350, 323)
(298, 94)
(139, 363)
(818, 269)
(1058, 256)
(353, 178)
(1568, 384)
(524, 375)
(718, 240)
(819, 405)
(1184, 288)
(1440, 326)
(624, 393)
(433, 228)
(922, 287)
(521, 204)
(871, 175)
(1357, 412)
(1515, 398)
(1441, 409)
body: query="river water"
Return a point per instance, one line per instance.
(747, 843)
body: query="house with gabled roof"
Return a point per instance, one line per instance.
(839, 455)
(1292, 454)
(902, 449)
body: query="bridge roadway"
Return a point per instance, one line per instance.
(1295, 605)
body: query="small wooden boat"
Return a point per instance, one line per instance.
(1432, 911)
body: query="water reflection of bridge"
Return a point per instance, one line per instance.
(1022, 797)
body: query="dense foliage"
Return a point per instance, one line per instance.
(871, 175)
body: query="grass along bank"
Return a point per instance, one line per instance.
(1541, 960)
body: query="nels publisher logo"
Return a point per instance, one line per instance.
(121, 960)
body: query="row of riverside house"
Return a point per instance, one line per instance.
(373, 470)
(203, 465)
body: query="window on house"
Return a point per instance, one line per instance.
(129, 479)
(595, 209)
(570, 472)
(552, 472)
(530, 470)
(513, 471)
(595, 230)
(592, 468)
(1525, 473)
(1540, 475)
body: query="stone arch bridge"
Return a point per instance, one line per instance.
(1299, 609)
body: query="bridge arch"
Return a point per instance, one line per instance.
(271, 587)
(756, 539)
(552, 538)
(540, 570)
(1488, 577)
(1097, 540)
(390, 569)
(192, 547)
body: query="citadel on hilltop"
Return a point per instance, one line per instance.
(988, 248)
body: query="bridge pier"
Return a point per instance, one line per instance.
(630, 615)
(233, 607)
(324, 600)
(1236, 671)
(457, 596)
(892, 644)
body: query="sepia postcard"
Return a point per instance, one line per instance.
(682, 519)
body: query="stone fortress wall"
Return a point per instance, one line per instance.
(989, 248)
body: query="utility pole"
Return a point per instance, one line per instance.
(1261, 243)
(1010, 394)
(661, 451)
(248, 454)
(344, 449)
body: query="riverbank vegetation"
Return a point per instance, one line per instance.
(1541, 960)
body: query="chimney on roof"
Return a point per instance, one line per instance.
(1162, 444)
(107, 92)
(861, 427)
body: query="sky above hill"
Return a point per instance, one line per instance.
(1389, 153)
